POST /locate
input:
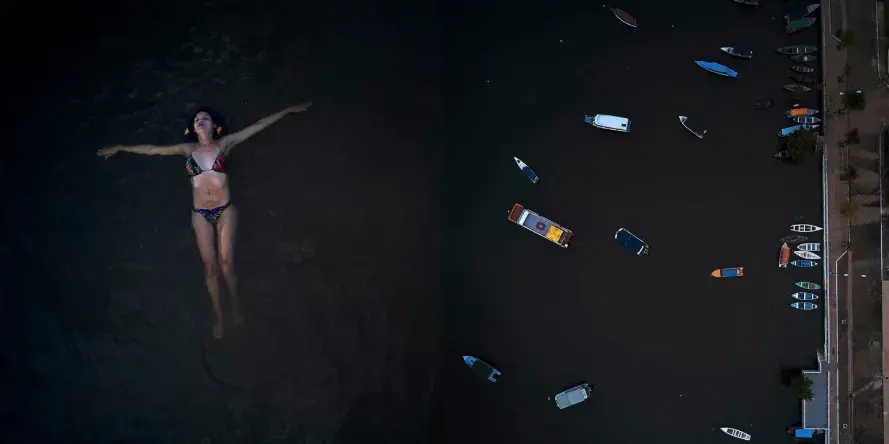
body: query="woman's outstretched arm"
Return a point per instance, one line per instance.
(149, 150)
(230, 141)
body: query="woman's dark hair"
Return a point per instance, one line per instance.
(220, 129)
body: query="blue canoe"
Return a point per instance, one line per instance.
(716, 68)
(784, 132)
(529, 173)
(805, 263)
(482, 368)
(804, 296)
(804, 305)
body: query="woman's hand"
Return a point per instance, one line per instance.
(298, 108)
(108, 152)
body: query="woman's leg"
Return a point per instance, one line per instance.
(205, 234)
(225, 230)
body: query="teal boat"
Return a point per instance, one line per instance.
(799, 24)
(808, 285)
(803, 58)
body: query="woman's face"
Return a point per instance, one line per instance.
(203, 124)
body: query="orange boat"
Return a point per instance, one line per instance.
(728, 272)
(784, 257)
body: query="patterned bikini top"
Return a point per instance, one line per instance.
(220, 165)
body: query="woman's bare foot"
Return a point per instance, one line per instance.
(218, 330)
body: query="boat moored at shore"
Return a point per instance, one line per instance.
(797, 49)
(806, 254)
(796, 112)
(784, 256)
(805, 306)
(804, 58)
(804, 296)
(805, 228)
(808, 285)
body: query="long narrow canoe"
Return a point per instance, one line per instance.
(624, 17)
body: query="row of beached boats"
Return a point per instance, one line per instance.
(808, 251)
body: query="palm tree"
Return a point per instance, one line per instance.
(854, 100)
(799, 141)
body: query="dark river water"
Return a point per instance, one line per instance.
(674, 353)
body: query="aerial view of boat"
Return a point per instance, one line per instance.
(804, 263)
(804, 228)
(804, 58)
(540, 225)
(796, 88)
(687, 123)
(784, 256)
(529, 173)
(735, 433)
(799, 24)
(728, 272)
(810, 246)
(806, 254)
(803, 296)
(782, 154)
(794, 239)
(798, 78)
(718, 69)
(482, 368)
(609, 122)
(624, 17)
(737, 52)
(808, 285)
(804, 305)
(764, 104)
(802, 69)
(795, 112)
(784, 132)
(797, 49)
(747, 2)
(806, 119)
(802, 12)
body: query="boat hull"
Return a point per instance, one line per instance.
(684, 121)
(794, 239)
(805, 306)
(624, 17)
(784, 256)
(728, 272)
(717, 69)
(803, 263)
(804, 296)
(808, 285)
(526, 170)
(810, 246)
(804, 228)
